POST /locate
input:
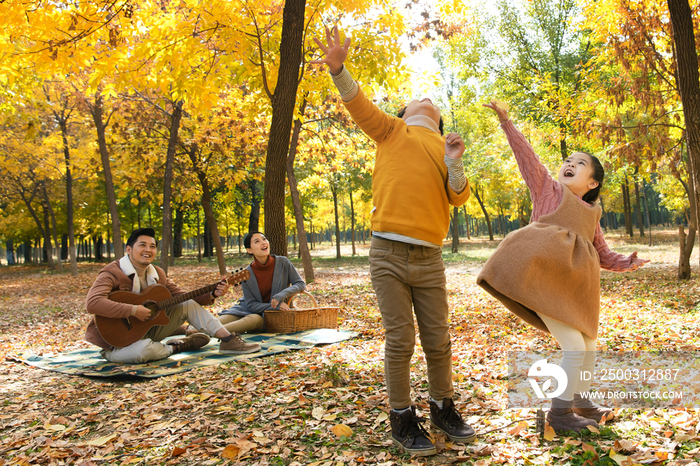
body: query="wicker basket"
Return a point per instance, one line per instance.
(298, 320)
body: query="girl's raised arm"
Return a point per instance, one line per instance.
(536, 175)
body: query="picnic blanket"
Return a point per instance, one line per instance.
(89, 363)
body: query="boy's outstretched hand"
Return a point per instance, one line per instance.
(335, 53)
(501, 112)
(454, 146)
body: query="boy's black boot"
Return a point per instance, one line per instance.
(408, 433)
(450, 422)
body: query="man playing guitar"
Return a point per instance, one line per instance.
(135, 272)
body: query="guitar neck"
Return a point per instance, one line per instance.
(181, 298)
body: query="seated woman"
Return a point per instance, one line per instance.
(273, 280)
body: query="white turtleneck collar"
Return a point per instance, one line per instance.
(424, 121)
(128, 269)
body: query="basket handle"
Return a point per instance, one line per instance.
(291, 298)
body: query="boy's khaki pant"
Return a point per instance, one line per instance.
(410, 279)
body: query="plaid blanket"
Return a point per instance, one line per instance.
(89, 363)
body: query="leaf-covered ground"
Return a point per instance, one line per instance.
(328, 405)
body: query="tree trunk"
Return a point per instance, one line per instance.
(337, 223)
(627, 207)
(208, 250)
(455, 229)
(64, 246)
(687, 243)
(63, 123)
(54, 228)
(466, 219)
(640, 220)
(352, 223)
(27, 251)
(240, 237)
(211, 221)
(296, 201)
(254, 219)
(99, 243)
(313, 234)
(646, 208)
(193, 152)
(688, 83)
(483, 209)
(283, 101)
(28, 202)
(10, 252)
(167, 186)
(199, 242)
(686, 246)
(177, 233)
(97, 116)
(48, 247)
(562, 141)
(502, 220)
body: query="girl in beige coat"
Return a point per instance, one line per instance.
(548, 273)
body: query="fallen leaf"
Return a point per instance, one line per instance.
(381, 418)
(341, 430)
(55, 427)
(518, 428)
(98, 442)
(624, 445)
(622, 460)
(230, 452)
(590, 448)
(317, 413)
(548, 432)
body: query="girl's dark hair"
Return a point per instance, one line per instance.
(249, 237)
(441, 126)
(598, 175)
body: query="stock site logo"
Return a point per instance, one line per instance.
(542, 368)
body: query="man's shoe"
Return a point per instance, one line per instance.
(236, 345)
(408, 433)
(449, 421)
(189, 343)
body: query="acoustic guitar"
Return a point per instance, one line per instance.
(121, 332)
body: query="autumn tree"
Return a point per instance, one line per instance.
(688, 83)
(634, 108)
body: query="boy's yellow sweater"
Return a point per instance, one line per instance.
(410, 189)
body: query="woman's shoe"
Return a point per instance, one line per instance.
(584, 407)
(562, 418)
(568, 421)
